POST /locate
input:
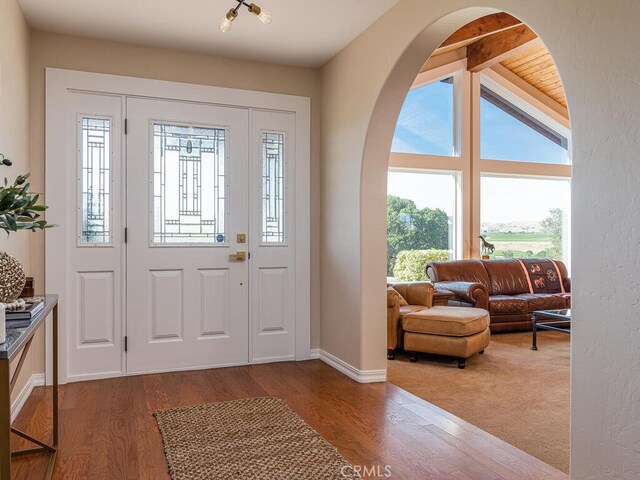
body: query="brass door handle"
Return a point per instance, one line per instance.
(239, 256)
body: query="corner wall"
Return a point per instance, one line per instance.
(594, 46)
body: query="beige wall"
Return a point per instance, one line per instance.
(594, 46)
(74, 53)
(14, 138)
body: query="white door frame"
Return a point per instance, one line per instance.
(57, 178)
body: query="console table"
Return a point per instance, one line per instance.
(19, 339)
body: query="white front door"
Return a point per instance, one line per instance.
(183, 215)
(187, 209)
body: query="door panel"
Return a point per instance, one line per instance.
(272, 213)
(187, 199)
(93, 232)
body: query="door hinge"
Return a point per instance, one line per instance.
(126, 126)
(125, 234)
(125, 343)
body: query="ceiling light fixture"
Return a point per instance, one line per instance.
(263, 15)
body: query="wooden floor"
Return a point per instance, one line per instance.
(108, 431)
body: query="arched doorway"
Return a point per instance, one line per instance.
(357, 128)
(480, 150)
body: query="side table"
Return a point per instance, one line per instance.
(19, 340)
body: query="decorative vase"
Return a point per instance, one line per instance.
(12, 278)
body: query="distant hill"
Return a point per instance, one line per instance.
(514, 227)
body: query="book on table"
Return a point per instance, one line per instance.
(21, 317)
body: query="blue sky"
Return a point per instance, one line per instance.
(425, 126)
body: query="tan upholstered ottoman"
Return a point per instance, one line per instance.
(454, 331)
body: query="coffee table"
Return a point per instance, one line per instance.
(560, 321)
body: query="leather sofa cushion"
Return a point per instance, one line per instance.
(505, 304)
(506, 277)
(542, 301)
(410, 309)
(449, 321)
(459, 271)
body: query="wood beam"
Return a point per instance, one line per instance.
(479, 28)
(497, 47)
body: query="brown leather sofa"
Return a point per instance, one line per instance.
(499, 286)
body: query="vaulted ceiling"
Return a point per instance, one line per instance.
(503, 39)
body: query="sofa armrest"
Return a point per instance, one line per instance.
(470, 292)
(393, 320)
(416, 293)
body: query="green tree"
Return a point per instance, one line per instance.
(413, 228)
(553, 226)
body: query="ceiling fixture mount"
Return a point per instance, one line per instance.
(263, 15)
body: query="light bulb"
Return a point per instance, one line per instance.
(265, 17)
(225, 25)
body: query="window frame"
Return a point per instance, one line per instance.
(435, 75)
(456, 251)
(468, 164)
(566, 238)
(509, 92)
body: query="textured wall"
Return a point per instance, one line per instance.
(593, 43)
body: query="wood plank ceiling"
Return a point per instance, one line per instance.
(501, 38)
(537, 68)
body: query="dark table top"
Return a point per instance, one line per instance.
(564, 314)
(18, 337)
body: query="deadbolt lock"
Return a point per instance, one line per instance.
(242, 238)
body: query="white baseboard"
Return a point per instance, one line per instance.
(314, 353)
(36, 380)
(361, 376)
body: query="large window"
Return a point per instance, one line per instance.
(526, 217)
(421, 221)
(475, 154)
(508, 132)
(426, 122)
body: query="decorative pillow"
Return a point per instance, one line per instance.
(392, 291)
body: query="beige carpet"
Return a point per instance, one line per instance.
(512, 392)
(254, 438)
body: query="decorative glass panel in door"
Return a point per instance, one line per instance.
(95, 180)
(189, 184)
(273, 188)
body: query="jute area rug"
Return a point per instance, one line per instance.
(254, 438)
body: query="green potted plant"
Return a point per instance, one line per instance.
(19, 210)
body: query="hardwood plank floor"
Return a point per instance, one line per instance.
(107, 430)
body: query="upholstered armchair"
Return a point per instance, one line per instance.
(403, 298)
